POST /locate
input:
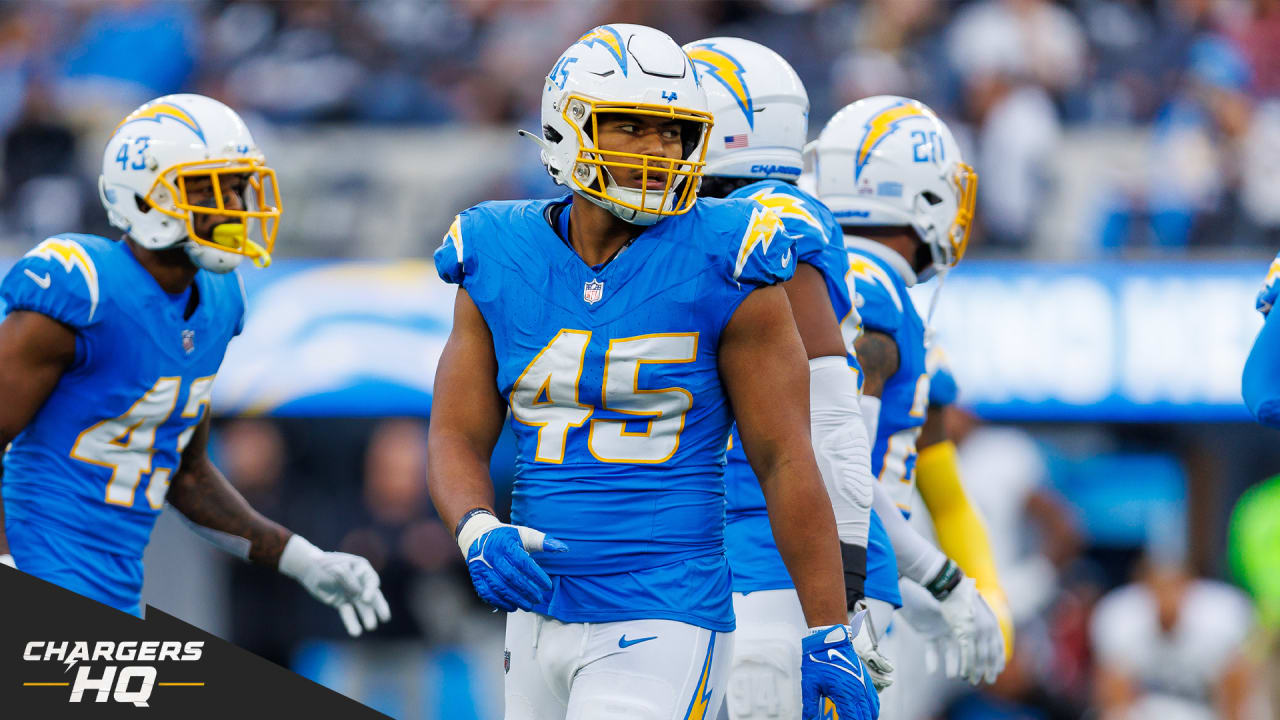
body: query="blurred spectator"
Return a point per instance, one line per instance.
(1170, 647)
(1033, 533)
(131, 50)
(1012, 54)
(400, 535)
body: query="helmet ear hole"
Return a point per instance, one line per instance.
(142, 204)
(931, 197)
(551, 134)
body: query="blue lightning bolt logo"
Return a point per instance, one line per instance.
(881, 125)
(729, 72)
(611, 40)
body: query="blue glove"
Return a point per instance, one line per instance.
(1270, 288)
(835, 685)
(502, 571)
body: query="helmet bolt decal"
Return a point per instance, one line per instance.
(577, 110)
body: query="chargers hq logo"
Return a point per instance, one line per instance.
(729, 72)
(157, 111)
(130, 677)
(611, 40)
(881, 125)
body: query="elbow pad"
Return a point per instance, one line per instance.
(840, 446)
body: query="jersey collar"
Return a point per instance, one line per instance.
(894, 260)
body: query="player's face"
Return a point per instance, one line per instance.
(659, 137)
(200, 191)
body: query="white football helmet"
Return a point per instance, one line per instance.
(623, 69)
(152, 155)
(760, 106)
(890, 161)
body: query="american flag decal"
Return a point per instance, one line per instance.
(735, 141)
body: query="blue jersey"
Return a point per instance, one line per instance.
(880, 293)
(94, 463)
(943, 389)
(619, 414)
(820, 243)
(1260, 383)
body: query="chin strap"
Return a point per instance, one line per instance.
(541, 142)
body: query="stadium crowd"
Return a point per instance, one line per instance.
(1182, 97)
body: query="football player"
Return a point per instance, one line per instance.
(1261, 381)
(892, 174)
(624, 326)
(761, 114)
(108, 355)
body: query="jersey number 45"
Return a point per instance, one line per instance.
(545, 396)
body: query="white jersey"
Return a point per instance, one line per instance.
(1177, 671)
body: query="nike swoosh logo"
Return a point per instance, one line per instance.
(44, 282)
(786, 259)
(623, 642)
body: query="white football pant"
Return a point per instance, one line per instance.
(627, 670)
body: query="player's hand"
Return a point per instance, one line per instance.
(502, 570)
(923, 613)
(833, 678)
(7, 559)
(990, 656)
(1270, 289)
(973, 628)
(867, 644)
(338, 579)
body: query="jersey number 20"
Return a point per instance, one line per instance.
(126, 443)
(546, 397)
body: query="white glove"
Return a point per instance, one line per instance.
(7, 559)
(990, 641)
(867, 644)
(975, 631)
(923, 613)
(338, 579)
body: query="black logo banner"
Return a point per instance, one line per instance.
(64, 655)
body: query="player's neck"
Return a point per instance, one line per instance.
(597, 234)
(171, 267)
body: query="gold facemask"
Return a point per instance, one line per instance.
(674, 170)
(235, 237)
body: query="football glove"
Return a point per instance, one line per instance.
(867, 644)
(1270, 288)
(923, 613)
(976, 633)
(502, 570)
(7, 559)
(342, 580)
(834, 682)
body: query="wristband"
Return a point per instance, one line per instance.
(473, 524)
(945, 581)
(854, 558)
(457, 530)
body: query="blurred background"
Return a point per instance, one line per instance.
(1129, 204)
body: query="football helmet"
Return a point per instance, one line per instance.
(760, 106)
(890, 161)
(158, 150)
(631, 70)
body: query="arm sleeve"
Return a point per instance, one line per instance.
(918, 560)
(1260, 383)
(961, 531)
(58, 279)
(840, 446)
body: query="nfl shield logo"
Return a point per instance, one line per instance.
(189, 341)
(592, 291)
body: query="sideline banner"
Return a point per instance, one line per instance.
(1097, 341)
(64, 655)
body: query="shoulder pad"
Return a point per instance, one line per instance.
(763, 251)
(943, 389)
(798, 217)
(58, 278)
(875, 296)
(453, 262)
(1267, 296)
